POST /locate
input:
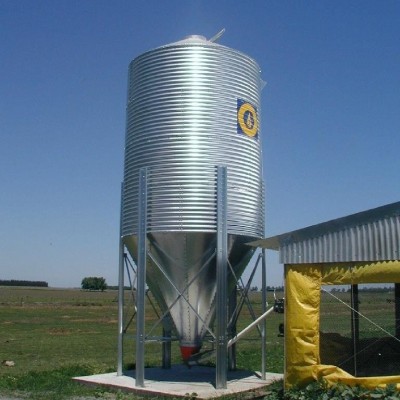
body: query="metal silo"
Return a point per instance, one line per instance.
(192, 105)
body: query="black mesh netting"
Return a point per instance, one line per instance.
(360, 329)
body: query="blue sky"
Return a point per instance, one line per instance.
(330, 117)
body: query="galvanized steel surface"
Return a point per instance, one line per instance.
(377, 241)
(372, 235)
(182, 123)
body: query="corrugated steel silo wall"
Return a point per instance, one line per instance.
(183, 102)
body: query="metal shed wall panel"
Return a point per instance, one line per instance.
(374, 241)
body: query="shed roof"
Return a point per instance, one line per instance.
(372, 235)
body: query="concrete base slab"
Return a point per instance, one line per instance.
(180, 381)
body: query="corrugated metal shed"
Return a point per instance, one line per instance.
(372, 235)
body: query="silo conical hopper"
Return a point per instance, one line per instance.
(192, 105)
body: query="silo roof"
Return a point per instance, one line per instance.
(372, 235)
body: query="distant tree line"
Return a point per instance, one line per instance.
(376, 289)
(116, 287)
(269, 289)
(276, 288)
(15, 282)
(94, 283)
(382, 289)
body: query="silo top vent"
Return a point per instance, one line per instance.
(195, 37)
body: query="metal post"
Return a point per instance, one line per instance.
(120, 309)
(166, 345)
(141, 277)
(232, 304)
(121, 296)
(263, 308)
(222, 267)
(355, 324)
(397, 309)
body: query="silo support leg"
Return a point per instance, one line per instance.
(121, 276)
(222, 267)
(120, 309)
(141, 278)
(264, 309)
(166, 349)
(232, 330)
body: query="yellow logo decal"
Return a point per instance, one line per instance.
(247, 121)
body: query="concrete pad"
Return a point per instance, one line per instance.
(180, 381)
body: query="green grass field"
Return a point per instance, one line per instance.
(53, 334)
(48, 328)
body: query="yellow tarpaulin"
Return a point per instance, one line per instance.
(302, 312)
